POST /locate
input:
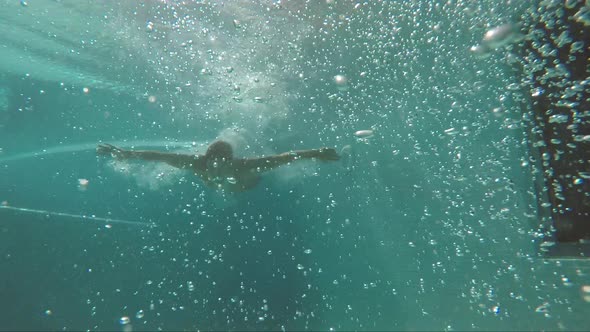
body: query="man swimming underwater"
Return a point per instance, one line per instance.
(217, 167)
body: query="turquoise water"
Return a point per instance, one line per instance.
(431, 224)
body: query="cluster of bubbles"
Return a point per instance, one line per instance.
(441, 180)
(441, 164)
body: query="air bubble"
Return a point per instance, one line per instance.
(367, 133)
(537, 92)
(149, 26)
(451, 131)
(558, 118)
(480, 51)
(543, 308)
(583, 15)
(570, 4)
(140, 314)
(341, 82)
(498, 111)
(500, 36)
(576, 47)
(83, 184)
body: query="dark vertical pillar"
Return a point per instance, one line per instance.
(556, 56)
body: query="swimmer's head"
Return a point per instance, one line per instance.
(219, 150)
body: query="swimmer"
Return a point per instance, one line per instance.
(217, 167)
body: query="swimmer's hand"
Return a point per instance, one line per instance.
(115, 152)
(327, 154)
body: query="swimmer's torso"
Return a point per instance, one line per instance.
(226, 175)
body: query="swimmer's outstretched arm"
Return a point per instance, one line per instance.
(173, 159)
(267, 163)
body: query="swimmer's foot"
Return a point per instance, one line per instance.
(346, 156)
(327, 154)
(108, 149)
